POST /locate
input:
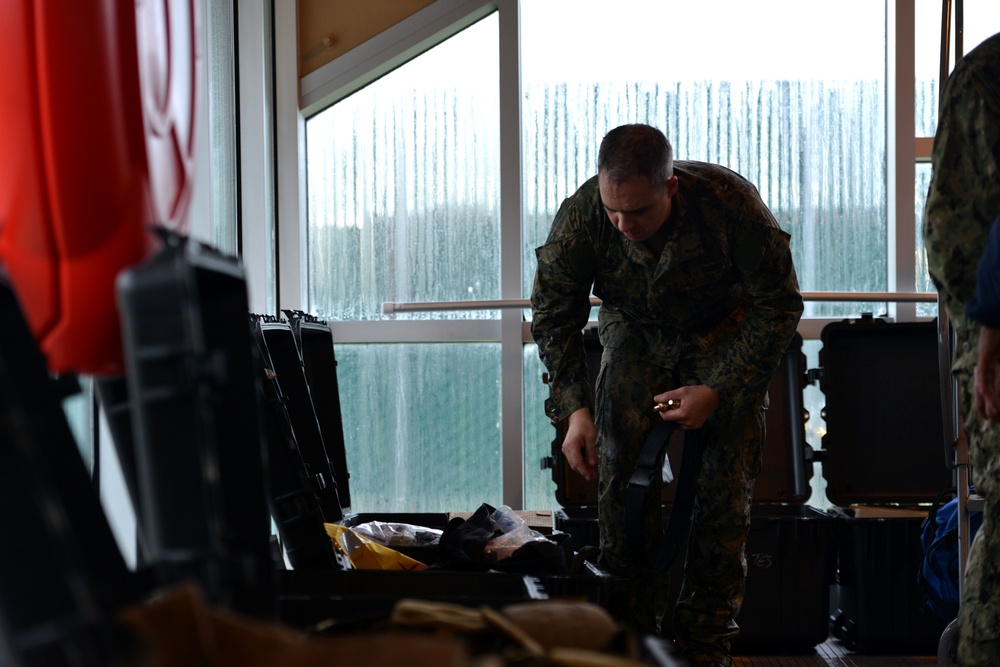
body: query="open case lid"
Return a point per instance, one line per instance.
(298, 500)
(883, 442)
(787, 458)
(786, 463)
(286, 364)
(315, 341)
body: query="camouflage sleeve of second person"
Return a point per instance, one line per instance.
(964, 194)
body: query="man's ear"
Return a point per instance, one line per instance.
(671, 185)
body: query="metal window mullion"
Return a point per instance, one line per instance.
(290, 162)
(511, 206)
(256, 149)
(901, 154)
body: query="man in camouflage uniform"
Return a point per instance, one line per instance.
(963, 200)
(699, 301)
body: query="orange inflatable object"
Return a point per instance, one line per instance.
(96, 148)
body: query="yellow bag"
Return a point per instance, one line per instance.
(365, 554)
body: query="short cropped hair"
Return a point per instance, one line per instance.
(636, 150)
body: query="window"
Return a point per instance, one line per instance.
(403, 206)
(421, 425)
(79, 409)
(403, 184)
(755, 93)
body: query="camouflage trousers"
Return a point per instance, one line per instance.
(979, 611)
(711, 593)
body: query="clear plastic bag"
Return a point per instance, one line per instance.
(515, 533)
(398, 534)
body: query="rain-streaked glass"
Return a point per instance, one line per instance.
(750, 93)
(422, 425)
(403, 186)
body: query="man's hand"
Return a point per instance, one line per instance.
(697, 403)
(986, 383)
(580, 444)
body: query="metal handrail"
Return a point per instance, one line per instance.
(390, 307)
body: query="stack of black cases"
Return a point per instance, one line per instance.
(790, 552)
(849, 571)
(885, 460)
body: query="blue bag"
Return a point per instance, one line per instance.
(939, 541)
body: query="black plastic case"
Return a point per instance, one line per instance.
(315, 343)
(884, 453)
(196, 437)
(281, 348)
(791, 548)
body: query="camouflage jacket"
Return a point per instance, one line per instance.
(723, 295)
(964, 195)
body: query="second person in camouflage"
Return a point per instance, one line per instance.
(699, 301)
(962, 202)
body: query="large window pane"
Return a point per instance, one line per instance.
(403, 191)
(403, 186)
(421, 425)
(754, 92)
(403, 206)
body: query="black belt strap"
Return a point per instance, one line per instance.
(649, 464)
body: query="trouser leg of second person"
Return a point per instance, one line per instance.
(979, 611)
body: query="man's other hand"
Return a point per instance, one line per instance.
(580, 444)
(986, 383)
